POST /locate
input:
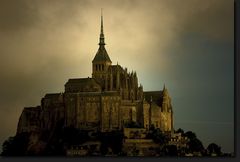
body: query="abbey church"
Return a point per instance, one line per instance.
(107, 101)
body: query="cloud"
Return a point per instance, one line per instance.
(211, 18)
(17, 15)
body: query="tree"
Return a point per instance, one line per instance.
(170, 150)
(111, 140)
(16, 146)
(158, 136)
(214, 148)
(7, 146)
(190, 135)
(180, 131)
(195, 145)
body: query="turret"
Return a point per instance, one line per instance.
(165, 104)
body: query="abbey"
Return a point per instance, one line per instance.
(108, 101)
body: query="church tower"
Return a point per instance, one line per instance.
(167, 110)
(101, 61)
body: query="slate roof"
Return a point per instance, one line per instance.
(83, 81)
(101, 55)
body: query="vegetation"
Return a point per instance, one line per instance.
(214, 149)
(180, 131)
(157, 135)
(15, 146)
(111, 140)
(195, 145)
(111, 143)
(170, 150)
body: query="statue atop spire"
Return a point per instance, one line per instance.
(101, 40)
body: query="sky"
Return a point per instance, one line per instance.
(187, 44)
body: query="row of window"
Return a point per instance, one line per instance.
(99, 67)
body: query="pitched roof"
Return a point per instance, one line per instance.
(101, 55)
(81, 84)
(82, 81)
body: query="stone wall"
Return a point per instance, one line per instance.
(110, 111)
(52, 110)
(146, 115)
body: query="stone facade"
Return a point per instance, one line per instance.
(105, 102)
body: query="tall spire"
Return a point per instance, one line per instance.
(101, 22)
(101, 55)
(101, 39)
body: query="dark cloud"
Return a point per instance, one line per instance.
(211, 18)
(16, 15)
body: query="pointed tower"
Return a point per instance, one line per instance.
(167, 110)
(101, 61)
(165, 103)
